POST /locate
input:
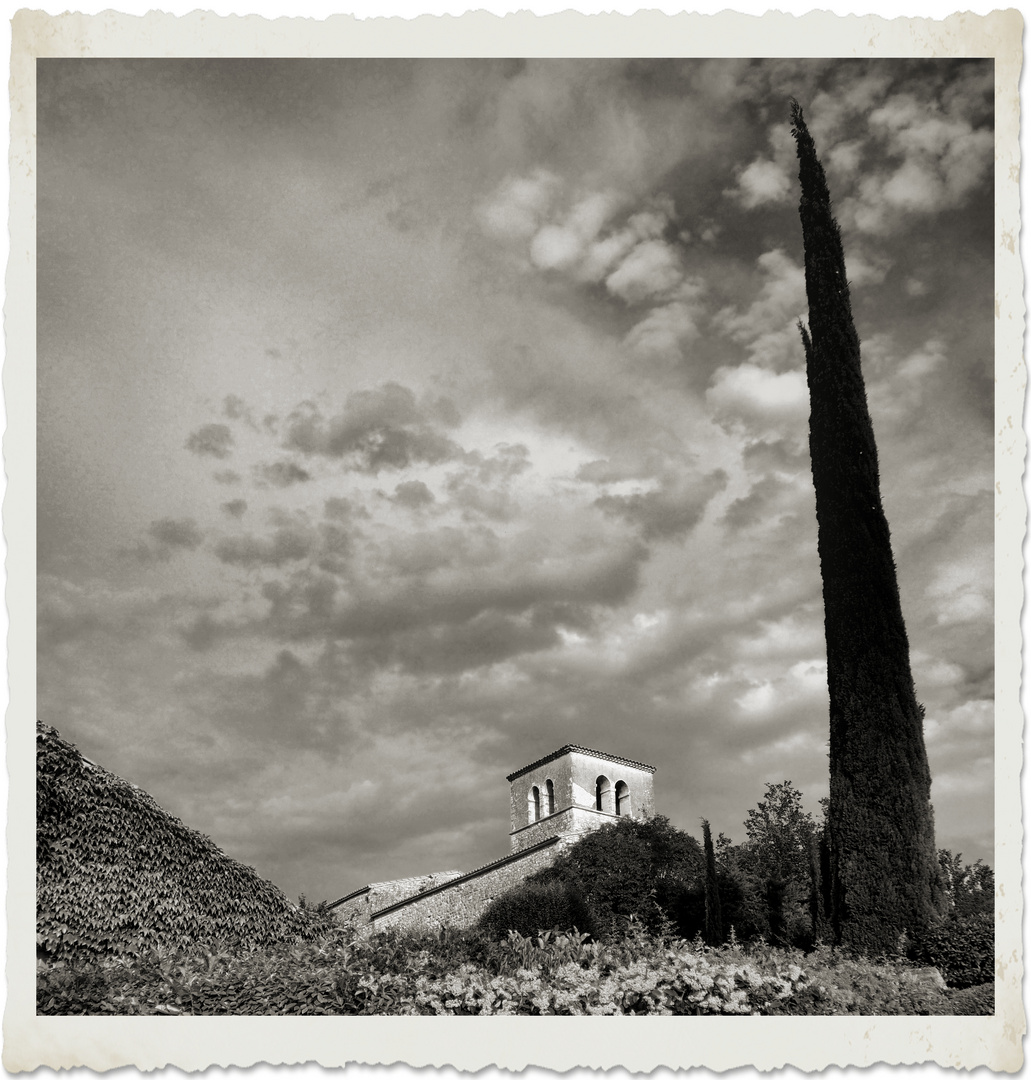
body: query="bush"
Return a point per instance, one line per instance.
(533, 906)
(974, 1001)
(838, 984)
(962, 948)
(630, 868)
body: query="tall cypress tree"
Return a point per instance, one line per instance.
(883, 862)
(713, 911)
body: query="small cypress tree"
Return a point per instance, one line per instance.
(713, 912)
(883, 860)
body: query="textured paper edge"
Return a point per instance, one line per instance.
(642, 1045)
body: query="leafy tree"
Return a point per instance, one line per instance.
(779, 833)
(713, 913)
(969, 889)
(883, 862)
(630, 867)
(777, 856)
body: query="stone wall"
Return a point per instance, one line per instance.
(360, 905)
(459, 903)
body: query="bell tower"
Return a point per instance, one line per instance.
(575, 789)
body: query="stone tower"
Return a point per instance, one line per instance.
(575, 789)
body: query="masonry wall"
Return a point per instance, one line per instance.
(459, 905)
(382, 894)
(574, 776)
(574, 819)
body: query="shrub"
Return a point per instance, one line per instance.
(532, 906)
(962, 948)
(630, 868)
(838, 984)
(974, 1001)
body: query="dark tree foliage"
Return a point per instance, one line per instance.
(819, 868)
(532, 906)
(631, 867)
(883, 862)
(117, 874)
(713, 912)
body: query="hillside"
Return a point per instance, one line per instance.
(115, 873)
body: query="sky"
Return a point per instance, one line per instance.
(400, 422)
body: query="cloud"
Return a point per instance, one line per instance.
(963, 591)
(767, 327)
(281, 474)
(761, 183)
(508, 461)
(413, 494)
(378, 429)
(235, 408)
(211, 440)
(338, 508)
(176, 533)
(480, 501)
(517, 207)
(651, 269)
(559, 246)
(941, 160)
(235, 507)
(286, 544)
(758, 506)
(762, 400)
(665, 330)
(670, 511)
(227, 476)
(202, 633)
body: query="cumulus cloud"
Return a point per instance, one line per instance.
(338, 508)
(896, 389)
(235, 408)
(762, 400)
(235, 508)
(762, 182)
(227, 476)
(669, 511)
(651, 269)
(939, 158)
(963, 590)
(665, 330)
(413, 494)
(767, 327)
(176, 533)
(518, 206)
(759, 506)
(211, 440)
(285, 544)
(281, 474)
(378, 429)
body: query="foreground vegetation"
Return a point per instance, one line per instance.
(472, 974)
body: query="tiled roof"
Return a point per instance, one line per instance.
(580, 750)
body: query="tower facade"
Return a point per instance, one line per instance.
(575, 789)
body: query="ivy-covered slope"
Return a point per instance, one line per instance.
(115, 873)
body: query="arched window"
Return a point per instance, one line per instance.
(550, 786)
(533, 807)
(622, 799)
(603, 795)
